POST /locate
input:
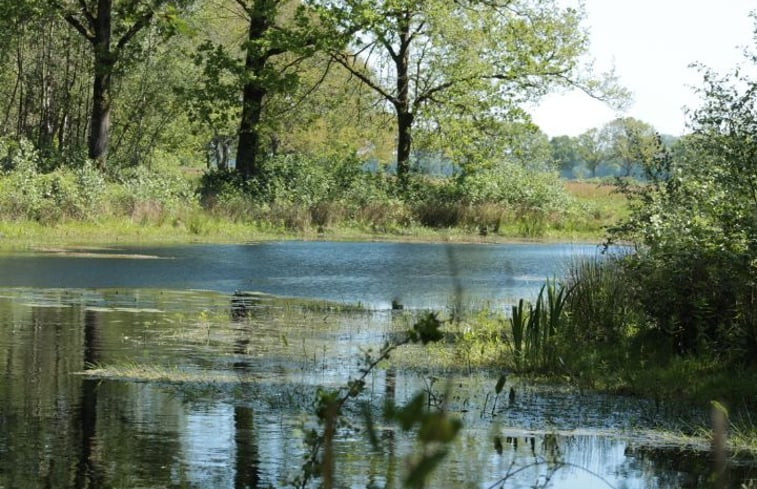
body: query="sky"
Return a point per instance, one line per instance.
(651, 43)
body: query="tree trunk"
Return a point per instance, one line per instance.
(253, 93)
(249, 132)
(100, 120)
(101, 94)
(402, 104)
(404, 142)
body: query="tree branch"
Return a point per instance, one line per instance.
(85, 11)
(244, 6)
(341, 59)
(140, 24)
(74, 22)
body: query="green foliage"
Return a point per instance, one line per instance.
(153, 191)
(601, 305)
(695, 227)
(532, 198)
(462, 62)
(536, 328)
(565, 154)
(27, 193)
(633, 144)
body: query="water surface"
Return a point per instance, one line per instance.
(201, 390)
(374, 274)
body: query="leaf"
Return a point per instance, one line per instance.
(500, 383)
(410, 414)
(426, 329)
(418, 474)
(438, 427)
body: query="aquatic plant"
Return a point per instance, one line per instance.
(535, 327)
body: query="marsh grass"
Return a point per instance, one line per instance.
(535, 328)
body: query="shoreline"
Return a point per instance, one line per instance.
(15, 236)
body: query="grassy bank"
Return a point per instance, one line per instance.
(203, 228)
(64, 209)
(293, 196)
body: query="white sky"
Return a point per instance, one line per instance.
(651, 43)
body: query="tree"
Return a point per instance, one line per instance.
(259, 76)
(632, 143)
(565, 153)
(279, 37)
(41, 76)
(109, 26)
(462, 57)
(593, 149)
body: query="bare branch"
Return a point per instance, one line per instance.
(342, 59)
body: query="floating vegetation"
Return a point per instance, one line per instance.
(137, 372)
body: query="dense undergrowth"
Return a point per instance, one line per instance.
(293, 195)
(676, 316)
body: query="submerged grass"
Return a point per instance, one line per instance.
(279, 335)
(141, 372)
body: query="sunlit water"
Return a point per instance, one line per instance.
(374, 274)
(224, 395)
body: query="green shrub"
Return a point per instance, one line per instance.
(65, 193)
(149, 195)
(695, 224)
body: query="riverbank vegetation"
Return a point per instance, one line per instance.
(155, 121)
(296, 196)
(253, 119)
(675, 314)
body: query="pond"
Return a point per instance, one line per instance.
(374, 274)
(138, 381)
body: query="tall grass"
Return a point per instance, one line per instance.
(536, 328)
(600, 303)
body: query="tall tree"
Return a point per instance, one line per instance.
(42, 63)
(593, 149)
(484, 56)
(109, 26)
(279, 37)
(565, 154)
(633, 143)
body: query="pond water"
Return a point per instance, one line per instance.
(374, 274)
(116, 385)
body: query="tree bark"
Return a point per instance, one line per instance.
(404, 143)
(249, 132)
(402, 104)
(253, 92)
(100, 119)
(101, 88)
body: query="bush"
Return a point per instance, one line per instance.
(695, 226)
(149, 195)
(25, 193)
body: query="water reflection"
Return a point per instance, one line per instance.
(417, 275)
(247, 474)
(88, 474)
(62, 429)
